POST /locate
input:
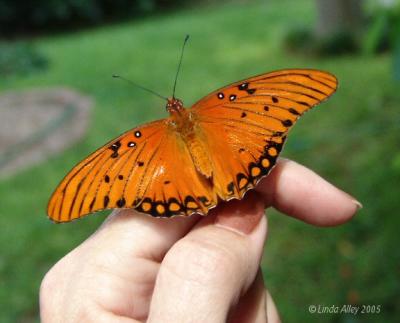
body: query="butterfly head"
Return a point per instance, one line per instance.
(174, 105)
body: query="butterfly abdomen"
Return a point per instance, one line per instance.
(200, 157)
(185, 125)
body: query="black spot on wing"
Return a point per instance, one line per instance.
(204, 201)
(162, 208)
(242, 181)
(106, 201)
(115, 147)
(243, 86)
(231, 188)
(121, 202)
(287, 123)
(92, 204)
(191, 203)
(264, 164)
(294, 111)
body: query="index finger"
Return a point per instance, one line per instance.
(299, 192)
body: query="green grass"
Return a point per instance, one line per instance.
(352, 140)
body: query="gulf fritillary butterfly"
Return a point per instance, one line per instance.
(216, 150)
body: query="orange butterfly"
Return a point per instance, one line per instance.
(216, 150)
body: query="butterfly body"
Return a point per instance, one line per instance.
(186, 163)
(185, 123)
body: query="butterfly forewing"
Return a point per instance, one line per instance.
(246, 123)
(101, 180)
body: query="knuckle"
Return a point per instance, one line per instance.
(57, 304)
(205, 262)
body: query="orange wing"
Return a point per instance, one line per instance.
(246, 123)
(151, 168)
(148, 168)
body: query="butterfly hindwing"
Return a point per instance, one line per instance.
(175, 186)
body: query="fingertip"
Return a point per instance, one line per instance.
(299, 192)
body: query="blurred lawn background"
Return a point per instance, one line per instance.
(352, 140)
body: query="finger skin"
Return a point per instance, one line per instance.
(272, 312)
(207, 271)
(299, 192)
(114, 271)
(251, 307)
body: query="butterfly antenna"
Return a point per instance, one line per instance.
(139, 86)
(180, 63)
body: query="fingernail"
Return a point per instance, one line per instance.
(358, 204)
(241, 216)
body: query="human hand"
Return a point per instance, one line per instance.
(196, 269)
